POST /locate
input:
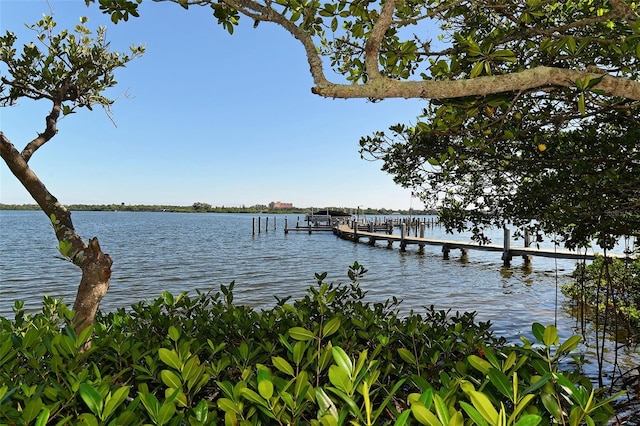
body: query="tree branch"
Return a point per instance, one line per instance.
(270, 15)
(534, 78)
(372, 46)
(49, 132)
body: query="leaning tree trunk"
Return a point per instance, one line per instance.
(95, 265)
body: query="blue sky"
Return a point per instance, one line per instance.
(203, 117)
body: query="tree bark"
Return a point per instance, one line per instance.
(94, 264)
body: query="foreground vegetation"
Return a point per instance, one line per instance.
(329, 358)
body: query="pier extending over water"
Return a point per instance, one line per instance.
(356, 233)
(383, 230)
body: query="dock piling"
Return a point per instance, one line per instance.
(506, 250)
(527, 243)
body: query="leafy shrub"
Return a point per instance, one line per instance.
(329, 358)
(610, 286)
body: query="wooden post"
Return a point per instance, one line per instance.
(355, 230)
(286, 225)
(266, 224)
(421, 246)
(253, 226)
(445, 251)
(403, 235)
(259, 224)
(464, 254)
(527, 243)
(506, 250)
(274, 223)
(298, 222)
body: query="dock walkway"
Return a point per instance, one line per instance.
(347, 231)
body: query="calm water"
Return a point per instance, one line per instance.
(154, 252)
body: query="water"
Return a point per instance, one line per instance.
(182, 252)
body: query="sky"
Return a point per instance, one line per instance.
(202, 116)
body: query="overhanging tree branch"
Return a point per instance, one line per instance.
(538, 77)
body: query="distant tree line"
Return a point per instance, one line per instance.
(199, 207)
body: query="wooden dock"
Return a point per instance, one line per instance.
(350, 232)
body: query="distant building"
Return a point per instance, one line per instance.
(279, 205)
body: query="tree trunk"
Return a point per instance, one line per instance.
(95, 265)
(96, 276)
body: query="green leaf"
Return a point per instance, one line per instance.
(538, 384)
(32, 409)
(43, 418)
(403, 419)
(170, 357)
(91, 397)
(201, 411)
(342, 360)
(65, 248)
(325, 403)
(570, 388)
(569, 345)
(550, 336)
(353, 407)
(423, 415)
(340, 379)
(538, 331)
(252, 396)
(477, 69)
(151, 403)
(166, 413)
(298, 352)
(87, 419)
(282, 365)
(575, 417)
(501, 382)
(550, 403)
(265, 388)
(170, 379)
(522, 404)
(174, 333)
(301, 334)
(331, 327)
(479, 364)
(484, 406)
(113, 400)
(457, 419)
(529, 420)
(473, 414)
(225, 404)
(441, 409)
(407, 356)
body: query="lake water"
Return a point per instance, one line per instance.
(179, 252)
(154, 252)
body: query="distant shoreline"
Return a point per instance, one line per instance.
(204, 208)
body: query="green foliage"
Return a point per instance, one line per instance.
(73, 71)
(610, 287)
(329, 358)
